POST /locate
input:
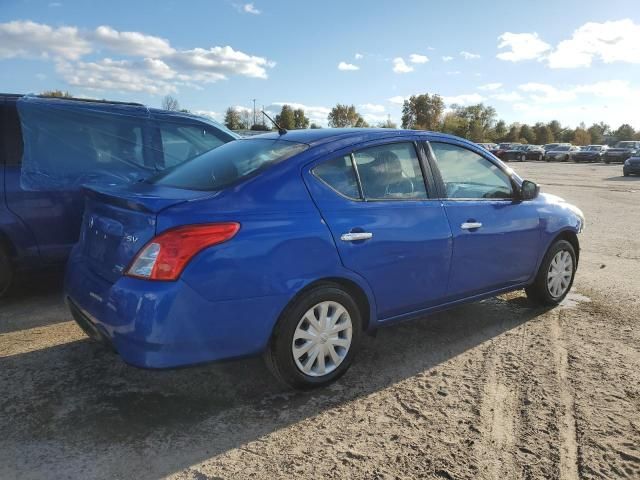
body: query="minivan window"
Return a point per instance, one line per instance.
(182, 142)
(227, 164)
(390, 172)
(12, 132)
(339, 175)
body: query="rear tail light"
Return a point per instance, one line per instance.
(166, 255)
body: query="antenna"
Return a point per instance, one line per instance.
(281, 131)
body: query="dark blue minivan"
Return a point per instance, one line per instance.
(50, 147)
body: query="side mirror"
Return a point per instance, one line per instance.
(529, 190)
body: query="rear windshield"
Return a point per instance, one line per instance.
(594, 148)
(227, 164)
(627, 144)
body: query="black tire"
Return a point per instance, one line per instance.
(626, 174)
(538, 292)
(279, 356)
(6, 272)
(522, 157)
(606, 160)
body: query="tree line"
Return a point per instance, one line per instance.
(478, 123)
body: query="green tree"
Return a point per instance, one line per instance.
(422, 112)
(527, 133)
(300, 120)
(597, 132)
(286, 118)
(543, 134)
(514, 133)
(556, 130)
(342, 116)
(500, 131)
(474, 122)
(56, 93)
(315, 126)
(581, 137)
(625, 132)
(232, 119)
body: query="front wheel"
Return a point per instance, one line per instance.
(555, 276)
(315, 339)
(522, 158)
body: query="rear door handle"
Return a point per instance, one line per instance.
(355, 236)
(470, 225)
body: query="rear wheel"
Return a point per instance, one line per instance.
(6, 272)
(555, 276)
(315, 339)
(522, 158)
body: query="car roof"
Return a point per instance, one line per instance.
(318, 136)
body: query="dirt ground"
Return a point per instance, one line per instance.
(491, 390)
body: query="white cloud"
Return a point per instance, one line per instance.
(132, 43)
(490, 86)
(447, 58)
(507, 97)
(400, 66)
(417, 58)
(610, 42)
(29, 39)
(614, 41)
(210, 113)
(465, 99)
(397, 100)
(545, 93)
(250, 8)
(372, 107)
(468, 55)
(345, 67)
(120, 75)
(523, 46)
(55, 4)
(359, 56)
(454, 72)
(216, 63)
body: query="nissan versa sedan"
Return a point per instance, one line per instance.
(296, 244)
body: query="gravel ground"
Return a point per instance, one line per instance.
(495, 389)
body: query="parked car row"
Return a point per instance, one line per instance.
(564, 152)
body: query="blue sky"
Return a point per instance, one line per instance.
(533, 61)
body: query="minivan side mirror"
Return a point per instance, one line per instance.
(529, 190)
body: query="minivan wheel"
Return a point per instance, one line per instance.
(555, 276)
(6, 272)
(315, 339)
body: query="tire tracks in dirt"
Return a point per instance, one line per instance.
(567, 424)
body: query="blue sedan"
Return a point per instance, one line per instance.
(295, 244)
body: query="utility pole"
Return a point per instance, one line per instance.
(254, 111)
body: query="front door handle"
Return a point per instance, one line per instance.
(355, 236)
(470, 225)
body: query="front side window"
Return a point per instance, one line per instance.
(468, 175)
(339, 175)
(228, 163)
(182, 142)
(390, 172)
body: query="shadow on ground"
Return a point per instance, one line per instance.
(83, 402)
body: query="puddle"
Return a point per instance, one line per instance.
(573, 299)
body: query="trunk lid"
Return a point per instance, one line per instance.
(119, 221)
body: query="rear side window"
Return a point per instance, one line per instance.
(229, 163)
(183, 142)
(339, 175)
(391, 172)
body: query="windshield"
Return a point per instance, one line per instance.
(550, 146)
(227, 164)
(562, 148)
(505, 145)
(593, 148)
(627, 144)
